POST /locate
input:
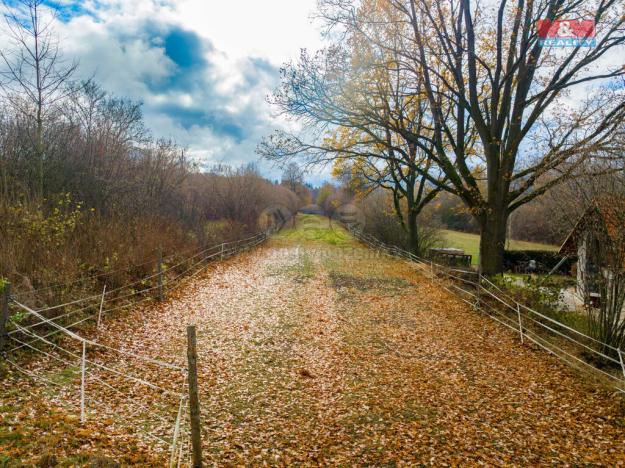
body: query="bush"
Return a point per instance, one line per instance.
(544, 295)
(546, 260)
(381, 222)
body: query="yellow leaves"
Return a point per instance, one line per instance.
(71, 419)
(83, 433)
(45, 225)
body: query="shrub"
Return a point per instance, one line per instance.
(381, 222)
(544, 296)
(546, 260)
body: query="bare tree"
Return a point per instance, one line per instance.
(360, 111)
(512, 91)
(293, 177)
(34, 76)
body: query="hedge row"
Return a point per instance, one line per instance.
(518, 261)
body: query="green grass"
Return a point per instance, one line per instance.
(314, 228)
(66, 376)
(470, 243)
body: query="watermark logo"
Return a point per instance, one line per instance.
(566, 33)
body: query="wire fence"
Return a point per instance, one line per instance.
(571, 346)
(74, 313)
(133, 392)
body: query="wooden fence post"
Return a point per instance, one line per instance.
(194, 401)
(478, 304)
(432, 271)
(159, 271)
(620, 357)
(4, 313)
(518, 312)
(101, 305)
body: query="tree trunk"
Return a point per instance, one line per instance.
(413, 232)
(492, 240)
(40, 161)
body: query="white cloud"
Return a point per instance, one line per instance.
(275, 29)
(215, 104)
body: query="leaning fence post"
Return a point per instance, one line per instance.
(518, 312)
(159, 275)
(194, 401)
(83, 415)
(4, 313)
(222, 250)
(101, 305)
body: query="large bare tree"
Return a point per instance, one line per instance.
(507, 117)
(537, 113)
(293, 177)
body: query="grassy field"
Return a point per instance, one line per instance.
(318, 229)
(315, 229)
(470, 243)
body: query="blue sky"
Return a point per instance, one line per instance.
(202, 68)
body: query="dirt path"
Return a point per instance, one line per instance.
(315, 351)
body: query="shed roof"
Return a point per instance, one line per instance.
(609, 211)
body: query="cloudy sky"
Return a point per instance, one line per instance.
(202, 68)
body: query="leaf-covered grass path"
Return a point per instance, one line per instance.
(315, 351)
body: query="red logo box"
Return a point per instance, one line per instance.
(579, 29)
